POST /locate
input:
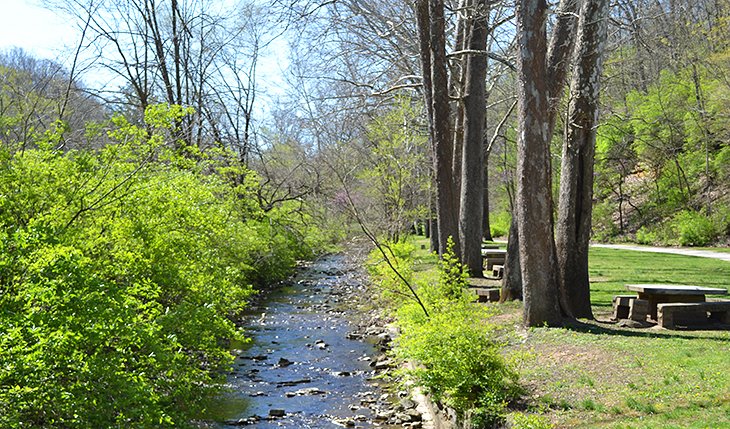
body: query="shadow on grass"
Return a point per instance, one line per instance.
(601, 328)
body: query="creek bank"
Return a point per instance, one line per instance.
(315, 357)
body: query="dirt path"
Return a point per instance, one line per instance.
(674, 250)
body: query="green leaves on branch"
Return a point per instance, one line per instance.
(122, 272)
(458, 359)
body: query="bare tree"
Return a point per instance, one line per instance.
(187, 52)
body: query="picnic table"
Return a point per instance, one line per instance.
(652, 295)
(493, 257)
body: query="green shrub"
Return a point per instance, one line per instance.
(499, 224)
(604, 228)
(458, 361)
(460, 365)
(530, 421)
(121, 274)
(693, 228)
(721, 220)
(646, 236)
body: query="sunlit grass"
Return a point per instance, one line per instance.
(611, 269)
(603, 376)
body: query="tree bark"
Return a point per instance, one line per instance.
(512, 280)
(472, 171)
(457, 88)
(534, 216)
(486, 230)
(560, 48)
(432, 40)
(576, 174)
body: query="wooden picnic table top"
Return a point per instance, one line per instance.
(494, 252)
(671, 289)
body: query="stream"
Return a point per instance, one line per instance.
(309, 364)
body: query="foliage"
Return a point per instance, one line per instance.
(122, 272)
(397, 177)
(499, 224)
(693, 229)
(686, 228)
(530, 421)
(663, 157)
(458, 360)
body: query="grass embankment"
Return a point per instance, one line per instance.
(606, 376)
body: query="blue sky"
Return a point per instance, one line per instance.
(48, 34)
(25, 23)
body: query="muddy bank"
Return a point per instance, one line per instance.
(314, 358)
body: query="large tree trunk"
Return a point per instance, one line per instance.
(576, 174)
(441, 150)
(561, 45)
(457, 88)
(434, 238)
(472, 171)
(534, 215)
(486, 230)
(512, 280)
(446, 197)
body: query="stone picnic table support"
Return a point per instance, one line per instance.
(493, 257)
(650, 295)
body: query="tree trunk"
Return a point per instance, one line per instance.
(576, 173)
(512, 280)
(457, 88)
(486, 230)
(534, 215)
(434, 235)
(561, 45)
(472, 171)
(431, 22)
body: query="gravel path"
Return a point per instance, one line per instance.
(675, 250)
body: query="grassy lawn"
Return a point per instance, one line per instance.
(611, 269)
(599, 375)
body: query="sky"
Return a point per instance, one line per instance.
(26, 24)
(49, 35)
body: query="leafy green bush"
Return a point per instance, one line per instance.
(645, 235)
(459, 362)
(721, 220)
(121, 272)
(499, 224)
(530, 421)
(693, 228)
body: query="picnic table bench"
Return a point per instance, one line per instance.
(688, 303)
(493, 257)
(688, 313)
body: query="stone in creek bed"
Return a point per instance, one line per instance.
(353, 336)
(311, 391)
(244, 422)
(293, 382)
(321, 344)
(382, 364)
(407, 403)
(277, 412)
(283, 362)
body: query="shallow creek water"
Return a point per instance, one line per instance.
(306, 365)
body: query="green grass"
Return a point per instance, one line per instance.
(599, 375)
(611, 269)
